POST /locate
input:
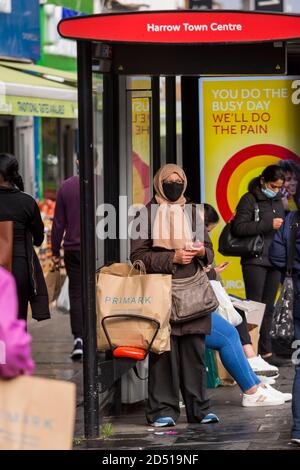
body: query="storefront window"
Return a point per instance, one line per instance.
(51, 166)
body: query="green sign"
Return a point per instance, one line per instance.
(42, 107)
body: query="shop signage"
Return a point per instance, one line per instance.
(20, 29)
(185, 27)
(269, 5)
(5, 6)
(200, 4)
(29, 106)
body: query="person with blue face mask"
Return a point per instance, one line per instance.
(261, 279)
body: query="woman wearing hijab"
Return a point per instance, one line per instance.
(162, 247)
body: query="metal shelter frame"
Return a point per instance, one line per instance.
(85, 49)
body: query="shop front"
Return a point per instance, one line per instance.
(38, 117)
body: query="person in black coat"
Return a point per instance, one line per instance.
(28, 230)
(260, 277)
(279, 257)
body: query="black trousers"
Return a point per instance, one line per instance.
(183, 368)
(261, 284)
(20, 270)
(72, 263)
(242, 329)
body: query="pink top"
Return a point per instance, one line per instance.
(15, 354)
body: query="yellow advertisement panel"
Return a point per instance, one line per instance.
(141, 150)
(247, 124)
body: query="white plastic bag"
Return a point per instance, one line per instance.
(226, 309)
(63, 300)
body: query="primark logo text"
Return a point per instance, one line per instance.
(128, 300)
(27, 420)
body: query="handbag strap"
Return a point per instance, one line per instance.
(256, 211)
(292, 245)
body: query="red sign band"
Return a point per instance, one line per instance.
(183, 27)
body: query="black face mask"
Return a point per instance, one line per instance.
(172, 191)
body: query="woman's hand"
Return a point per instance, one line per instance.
(200, 252)
(197, 248)
(184, 256)
(56, 262)
(221, 267)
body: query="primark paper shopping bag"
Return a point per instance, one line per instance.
(121, 289)
(36, 414)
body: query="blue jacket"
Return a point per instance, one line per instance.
(278, 256)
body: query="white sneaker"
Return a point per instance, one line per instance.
(278, 394)
(262, 367)
(296, 441)
(266, 380)
(77, 352)
(262, 397)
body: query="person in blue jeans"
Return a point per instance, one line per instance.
(225, 339)
(278, 257)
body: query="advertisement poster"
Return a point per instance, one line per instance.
(246, 125)
(20, 29)
(141, 149)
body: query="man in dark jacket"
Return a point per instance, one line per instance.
(278, 257)
(66, 224)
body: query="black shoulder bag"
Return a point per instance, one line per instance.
(230, 245)
(283, 323)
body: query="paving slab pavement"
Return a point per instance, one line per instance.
(239, 428)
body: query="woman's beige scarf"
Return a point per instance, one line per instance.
(171, 229)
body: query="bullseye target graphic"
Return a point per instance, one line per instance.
(241, 168)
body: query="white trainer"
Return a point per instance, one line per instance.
(266, 380)
(262, 367)
(262, 397)
(296, 441)
(277, 393)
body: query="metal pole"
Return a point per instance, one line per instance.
(88, 251)
(156, 124)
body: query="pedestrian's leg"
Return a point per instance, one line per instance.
(193, 376)
(296, 386)
(72, 263)
(20, 270)
(254, 279)
(268, 298)
(163, 384)
(242, 329)
(225, 339)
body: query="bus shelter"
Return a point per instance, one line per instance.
(121, 60)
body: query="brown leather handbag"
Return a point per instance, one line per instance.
(6, 244)
(192, 297)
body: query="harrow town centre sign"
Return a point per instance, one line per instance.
(183, 27)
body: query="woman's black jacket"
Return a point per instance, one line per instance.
(244, 224)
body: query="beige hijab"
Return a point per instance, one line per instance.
(171, 227)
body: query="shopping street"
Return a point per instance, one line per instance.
(265, 428)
